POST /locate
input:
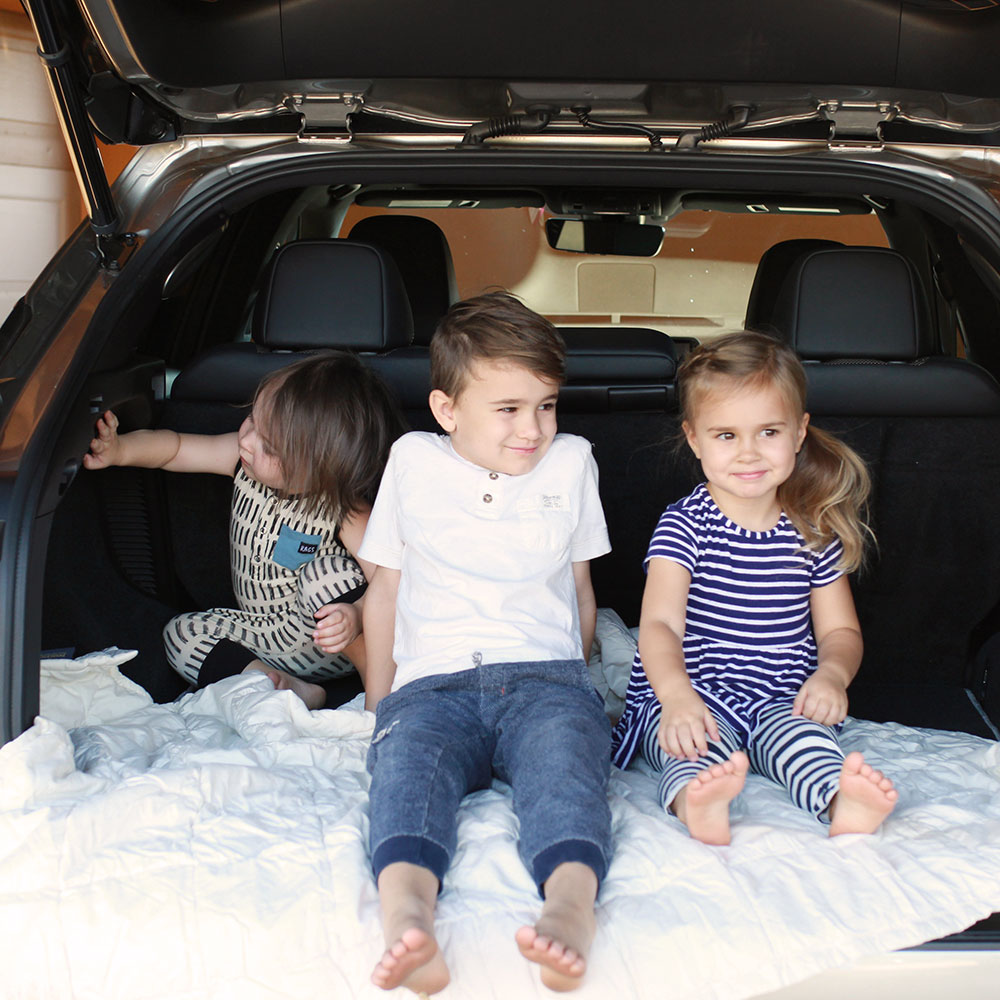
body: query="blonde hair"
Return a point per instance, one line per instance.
(826, 495)
(330, 421)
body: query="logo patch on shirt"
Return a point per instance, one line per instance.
(543, 501)
(294, 549)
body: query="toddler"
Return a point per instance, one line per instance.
(748, 637)
(305, 466)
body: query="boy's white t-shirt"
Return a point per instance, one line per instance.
(485, 559)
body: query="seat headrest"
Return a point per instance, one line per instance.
(420, 250)
(770, 276)
(332, 293)
(853, 302)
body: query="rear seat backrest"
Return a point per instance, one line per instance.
(315, 294)
(927, 424)
(857, 316)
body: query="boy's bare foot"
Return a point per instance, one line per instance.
(703, 804)
(560, 940)
(313, 695)
(414, 962)
(408, 895)
(865, 798)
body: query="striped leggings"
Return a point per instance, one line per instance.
(801, 755)
(280, 636)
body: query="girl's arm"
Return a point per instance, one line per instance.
(161, 449)
(685, 720)
(586, 604)
(339, 626)
(823, 697)
(380, 630)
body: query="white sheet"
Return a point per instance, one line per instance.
(216, 847)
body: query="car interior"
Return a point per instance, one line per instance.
(894, 315)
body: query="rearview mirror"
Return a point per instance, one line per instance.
(604, 236)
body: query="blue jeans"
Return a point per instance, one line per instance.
(540, 727)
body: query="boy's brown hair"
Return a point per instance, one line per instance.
(330, 421)
(494, 327)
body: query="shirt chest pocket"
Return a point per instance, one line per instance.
(293, 549)
(546, 531)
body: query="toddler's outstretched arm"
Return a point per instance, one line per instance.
(161, 449)
(685, 720)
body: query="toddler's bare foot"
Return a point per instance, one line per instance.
(865, 798)
(414, 962)
(560, 940)
(703, 804)
(313, 695)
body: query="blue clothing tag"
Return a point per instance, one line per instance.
(294, 549)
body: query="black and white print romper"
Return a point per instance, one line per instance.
(285, 567)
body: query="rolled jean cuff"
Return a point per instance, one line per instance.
(582, 851)
(413, 850)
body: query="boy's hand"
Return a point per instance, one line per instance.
(105, 449)
(822, 699)
(337, 626)
(686, 725)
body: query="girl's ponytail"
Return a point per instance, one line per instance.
(826, 495)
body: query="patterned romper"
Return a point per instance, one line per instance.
(285, 566)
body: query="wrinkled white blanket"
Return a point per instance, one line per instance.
(216, 847)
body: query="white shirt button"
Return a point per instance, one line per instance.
(487, 498)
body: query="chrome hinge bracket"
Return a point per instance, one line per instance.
(324, 114)
(857, 124)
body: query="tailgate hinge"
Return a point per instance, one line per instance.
(857, 124)
(323, 114)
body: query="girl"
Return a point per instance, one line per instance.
(748, 637)
(306, 465)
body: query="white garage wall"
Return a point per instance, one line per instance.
(39, 196)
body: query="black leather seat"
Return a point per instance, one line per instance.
(611, 369)
(421, 252)
(315, 294)
(858, 318)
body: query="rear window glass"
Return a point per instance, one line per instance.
(696, 286)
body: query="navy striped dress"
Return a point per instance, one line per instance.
(748, 638)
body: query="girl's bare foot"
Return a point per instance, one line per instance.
(313, 695)
(703, 804)
(408, 895)
(560, 940)
(414, 962)
(865, 798)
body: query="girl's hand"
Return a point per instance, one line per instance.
(822, 699)
(105, 449)
(337, 626)
(686, 725)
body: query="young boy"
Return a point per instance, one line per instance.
(480, 618)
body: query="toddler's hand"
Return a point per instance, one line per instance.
(105, 448)
(686, 725)
(822, 699)
(337, 626)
